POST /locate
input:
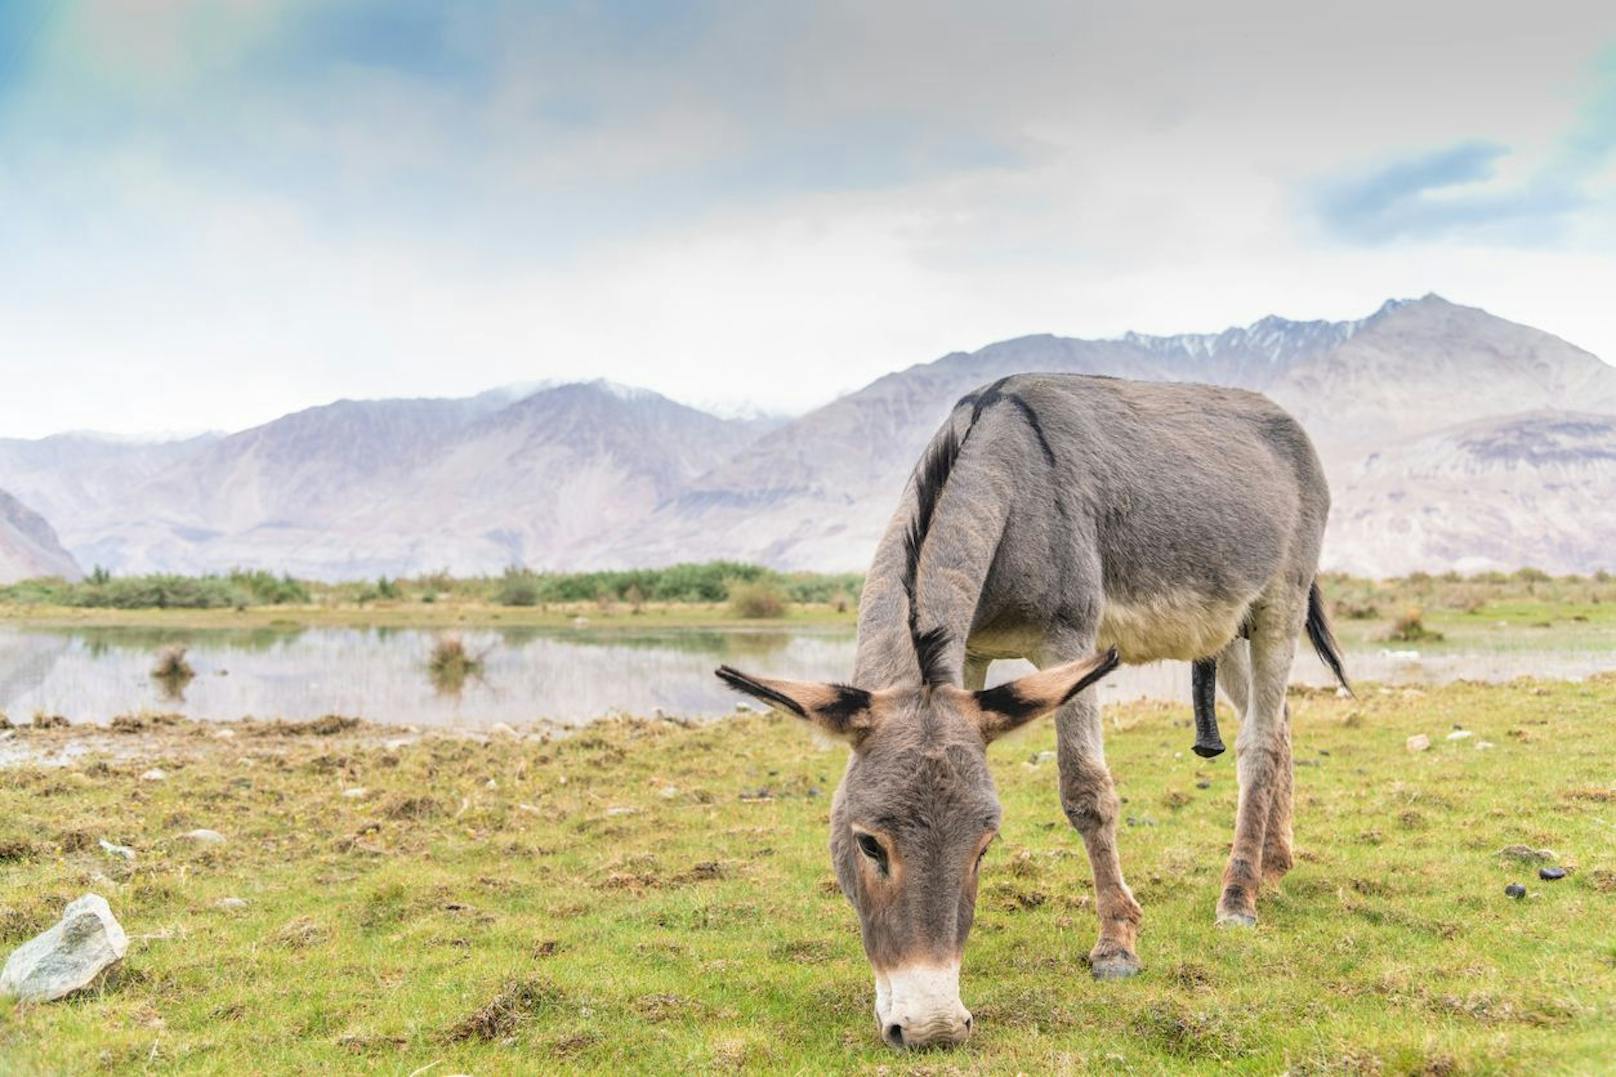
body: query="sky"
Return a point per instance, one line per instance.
(213, 212)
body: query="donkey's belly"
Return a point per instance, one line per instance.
(1181, 625)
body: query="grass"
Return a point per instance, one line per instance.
(650, 897)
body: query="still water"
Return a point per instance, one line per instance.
(568, 676)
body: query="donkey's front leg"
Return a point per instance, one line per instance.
(1262, 752)
(1090, 802)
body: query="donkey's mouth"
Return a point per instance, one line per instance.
(919, 1006)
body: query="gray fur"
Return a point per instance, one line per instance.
(1080, 513)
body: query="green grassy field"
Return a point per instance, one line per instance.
(648, 897)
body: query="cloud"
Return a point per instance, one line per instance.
(1456, 193)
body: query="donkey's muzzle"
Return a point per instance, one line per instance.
(920, 1007)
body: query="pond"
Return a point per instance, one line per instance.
(567, 676)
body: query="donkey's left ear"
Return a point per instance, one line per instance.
(836, 708)
(1017, 702)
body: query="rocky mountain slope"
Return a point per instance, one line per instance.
(28, 546)
(1446, 432)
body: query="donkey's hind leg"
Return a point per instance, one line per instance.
(1262, 753)
(1234, 677)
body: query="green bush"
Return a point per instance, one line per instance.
(518, 588)
(756, 599)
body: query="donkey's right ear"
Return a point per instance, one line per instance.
(836, 708)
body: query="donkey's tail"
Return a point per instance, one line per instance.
(1323, 640)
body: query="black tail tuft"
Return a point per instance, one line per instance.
(1318, 631)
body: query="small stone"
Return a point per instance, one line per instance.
(622, 811)
(357, 792)
(1460, 734)
(86, 942)
(1419, 742)
(1551, 874)
(232, 904)
(155, 774)
(118, 850)
(743, 707)
(1043, 757)
(491, 784)
(668, 792)
(1515, 890)
(1342, 693)
(502, 729)
(1203, 784)
(224, 734)
(204, 837)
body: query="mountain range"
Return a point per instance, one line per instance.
(1453, 439)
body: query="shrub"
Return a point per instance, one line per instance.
(755, 600)
(451, 663)
(1410, 628)
(519, 587)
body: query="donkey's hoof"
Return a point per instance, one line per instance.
(1236, 919)
(1112, 963)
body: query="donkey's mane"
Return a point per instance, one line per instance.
(931, 476)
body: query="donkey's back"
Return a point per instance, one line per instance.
(1159, 513)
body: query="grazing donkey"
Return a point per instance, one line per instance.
(1053, 515)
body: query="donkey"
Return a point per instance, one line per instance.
(1076, 521)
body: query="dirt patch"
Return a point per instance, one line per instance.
(503, 1014)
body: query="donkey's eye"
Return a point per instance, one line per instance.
(872, 849)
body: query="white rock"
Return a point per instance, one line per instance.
(743, 706)
(357, 792)
(204, 837)
(668, 792)
(224, 734)
(86, 942)
(502, 729)
(1419, 742)
(1460, 734)
(155, 774)
(118, 850)
(622, 811)
(232, 903)
(491, 784)
(1484, 745)
(1343, 693)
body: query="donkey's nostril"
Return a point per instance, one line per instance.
(969, 1024)
(895, 1035)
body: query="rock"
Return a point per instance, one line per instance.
(1419, 742)
(1203, 784)
(155, 774)
(118, 850)
(1041, 758)
(622, 811)
(1460, 734)
(502, 729)
(224, 734)
(743, 707)
(1515, 890)
(1343, 693)
(491, 784)
(204, 837)
(1484, 745)
(358, 792)
(1551, 874)
(1526, 854)
(86, 942)
(234, 904)
(668, 792)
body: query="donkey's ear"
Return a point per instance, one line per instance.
(1017, 702)
(836, 708)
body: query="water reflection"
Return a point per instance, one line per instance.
(519, 675)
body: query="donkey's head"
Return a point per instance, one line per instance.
(915, 814)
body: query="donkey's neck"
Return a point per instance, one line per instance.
(954, 564)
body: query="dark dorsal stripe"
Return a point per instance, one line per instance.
(931, 645)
